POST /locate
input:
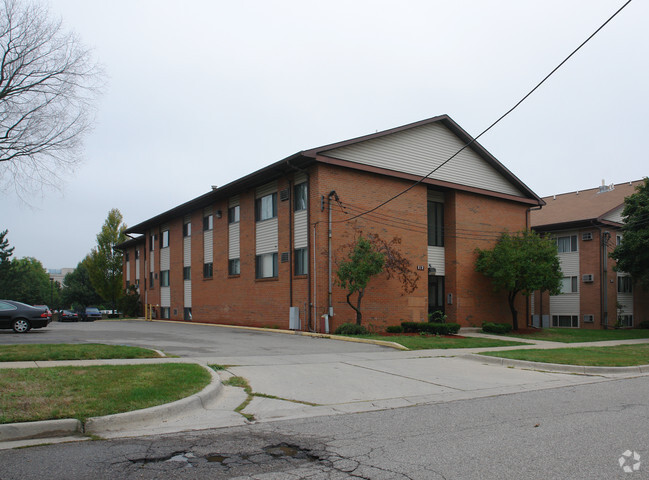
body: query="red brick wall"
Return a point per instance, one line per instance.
(478, 223)
(471, 221)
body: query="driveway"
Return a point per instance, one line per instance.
(185, 339)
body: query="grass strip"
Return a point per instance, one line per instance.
(614, 356)
(425, 342)
(576, 335)
(31, 394)
(62, 351)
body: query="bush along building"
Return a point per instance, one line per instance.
(587, 226)
(263, 249)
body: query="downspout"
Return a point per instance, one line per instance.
(528, 226)
(290, 242)
(605, 236)
(329, 254)
(315, 282)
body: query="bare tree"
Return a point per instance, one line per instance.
(48, 88)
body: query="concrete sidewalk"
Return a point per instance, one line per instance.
(328, 384)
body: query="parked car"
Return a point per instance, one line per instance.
(45, 307)
(68, 316)
(90, 314)
(22, 317)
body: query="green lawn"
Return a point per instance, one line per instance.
(422, 342)
(30, 394)
(63, 351)
(616, 356)
(575, 335)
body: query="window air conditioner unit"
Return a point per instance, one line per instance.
(587, 236)
(589, 318)
(587, 278)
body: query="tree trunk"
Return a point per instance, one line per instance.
(511, 297)
(359, 316)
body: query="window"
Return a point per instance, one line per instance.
(7, 306)
(207, 270)
(266, 265)
(127, 256)
(266, 207)
(569, 285)
(624, 285)
(301, 261)
(567, 244)
(164, 239)
(164, 278)
(568, 321)
(299, 195)
(208, 222)
(187, 230)
(152, 242)
(618, 239)
(164, 312)
(150, 279)
(187, 273)
(234, 266)
(187, 313)
(233, 214)
(137, 254)
(435, 224)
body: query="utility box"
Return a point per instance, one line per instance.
(294, 318)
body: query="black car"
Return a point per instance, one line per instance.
(68, 316)
(21, 317)
(90, 314)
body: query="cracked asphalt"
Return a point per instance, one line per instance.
(571, 432)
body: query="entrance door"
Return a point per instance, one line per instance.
(435, 294)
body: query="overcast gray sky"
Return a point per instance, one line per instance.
(202, 92)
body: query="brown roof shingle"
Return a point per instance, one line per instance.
(582, 205)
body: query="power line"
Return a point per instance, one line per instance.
(473, 140)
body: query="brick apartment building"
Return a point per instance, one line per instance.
(587, 226)
(257, 251)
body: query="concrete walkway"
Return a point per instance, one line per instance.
(297, 386)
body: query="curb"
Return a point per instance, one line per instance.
(555, 367)
(382, 343)
(44, 429)
(110, 423)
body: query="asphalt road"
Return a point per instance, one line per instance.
(576, 432)
(184, 339)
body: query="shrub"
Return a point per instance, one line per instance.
(489, 327)
(410, 327)
(644, 324)
(432, 328)
(394, 329)
(351, 329)
(437, 317)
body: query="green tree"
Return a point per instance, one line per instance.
(5, 263)
(105, 262)
(29, 282)
(77, 289)
(632, 255)
(521, 263)
(367, 257)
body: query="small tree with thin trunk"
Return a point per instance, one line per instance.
(521, 263)
(367, 257)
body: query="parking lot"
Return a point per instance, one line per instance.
(185, 339)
